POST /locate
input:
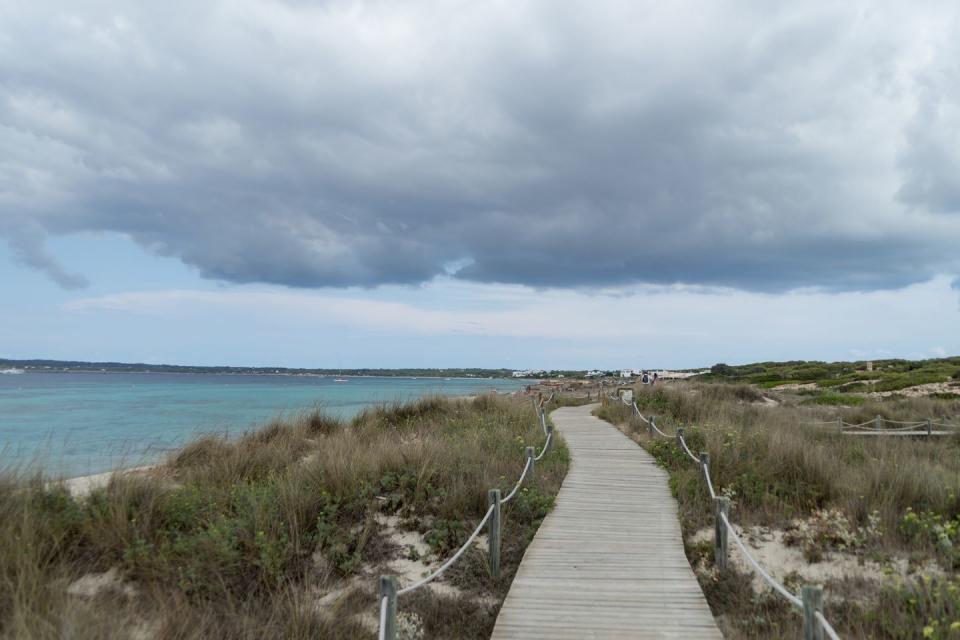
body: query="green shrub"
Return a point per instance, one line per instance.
(835, 399)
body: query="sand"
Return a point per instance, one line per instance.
(780, 560)
(82, 486)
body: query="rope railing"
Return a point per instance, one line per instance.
(384, 606)
(945, 425)
(653, 425)
(879, 425)
(517, 486)
(905, 427)
(546, 446)
(491, 520)
(686, 449)
(651, 422)
(706, 475)
(826, 625)
(810, 603)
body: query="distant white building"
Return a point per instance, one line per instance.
(630, 373)
(594, 374)
(677, 375)
(528, 373)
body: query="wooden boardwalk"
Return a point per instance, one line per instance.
(608, 561)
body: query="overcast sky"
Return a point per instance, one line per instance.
(557, 184)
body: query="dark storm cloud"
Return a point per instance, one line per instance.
(349, 143)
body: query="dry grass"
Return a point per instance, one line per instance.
(239, 538)
(778, 470)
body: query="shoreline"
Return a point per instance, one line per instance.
(81, 486)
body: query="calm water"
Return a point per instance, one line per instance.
(78, 423)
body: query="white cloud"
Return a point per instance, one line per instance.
(654, 320)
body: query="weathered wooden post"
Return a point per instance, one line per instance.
(840, 424)
(812, 603)
(528, 454)
(493, 532)
(878, 423)
(705, 465)
(388, 590)
(680, 437)
(721, 507)
(929, 427)
(650, 425)
(549, 443)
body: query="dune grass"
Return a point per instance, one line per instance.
(896, 497)
(240, 538)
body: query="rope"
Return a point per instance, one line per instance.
(706, 474)
(636, 411)
(449, 563)
(907, 427)
(945, 425)
(383, 619)
(546, 446)
(687, 450)
(826, 626)
(763, 574)
(523, 475)
(653, 423)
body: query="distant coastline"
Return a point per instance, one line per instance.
(69, 366)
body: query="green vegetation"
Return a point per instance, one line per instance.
(243, 538)
(886, 375)
(894, 502)
(835, 399)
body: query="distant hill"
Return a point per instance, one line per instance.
(861, 376)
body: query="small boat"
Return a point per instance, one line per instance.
(340, 380)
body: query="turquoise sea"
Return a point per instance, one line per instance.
(74, 424)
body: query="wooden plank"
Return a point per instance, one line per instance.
(608, 561)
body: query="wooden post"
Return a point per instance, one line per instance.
(650, 425)
(679, 436)
(528, 453)
(840, 424)
(388, 589)
(878, 423)
(812, 602)
(493, 531)
(721, 505)
(929, 427)
(549, 442)
(705, 464)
